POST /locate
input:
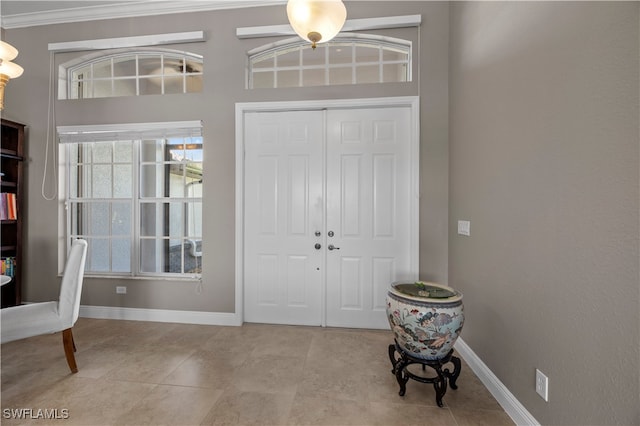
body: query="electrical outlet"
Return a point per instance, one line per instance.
(121, 290)
(542, 385)
(464, 227)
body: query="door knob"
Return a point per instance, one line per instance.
(318, 246)
(318, 233)
(332, 247)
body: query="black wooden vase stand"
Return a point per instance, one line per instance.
(403, 360)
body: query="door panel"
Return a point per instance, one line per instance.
(344, 173)
(368, 200)
(351, 273)
(283, 210)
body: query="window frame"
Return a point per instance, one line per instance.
(273, 50)
(73, 135)
(67, 69)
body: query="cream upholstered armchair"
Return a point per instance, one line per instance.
(20, 322)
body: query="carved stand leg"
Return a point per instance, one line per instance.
(403, 360)
(439, 384)
(453, 376)
(399, 369)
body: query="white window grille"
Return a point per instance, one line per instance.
(135, 194)
(347, 59)
(126, 72)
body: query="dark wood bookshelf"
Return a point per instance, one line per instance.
(11, 181)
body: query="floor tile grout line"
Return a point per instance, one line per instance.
(459, 413)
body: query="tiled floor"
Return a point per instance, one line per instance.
(138, 373)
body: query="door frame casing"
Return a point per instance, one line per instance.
(242, 108)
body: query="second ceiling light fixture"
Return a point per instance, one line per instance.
(317, 21)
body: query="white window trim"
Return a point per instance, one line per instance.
(122, 42)
(296, 42)
(385, 40)
(107, 132)
(67, 67)
(386, 22)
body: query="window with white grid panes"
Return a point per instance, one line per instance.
(356, 59)
(138, 203)
(135, 73)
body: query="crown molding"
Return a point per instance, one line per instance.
(127, 10)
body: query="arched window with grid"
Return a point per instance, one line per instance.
(347, 59)
(127, 72)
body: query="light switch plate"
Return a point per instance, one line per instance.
(464, 227)
(542, 385)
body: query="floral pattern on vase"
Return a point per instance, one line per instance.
(424, 327)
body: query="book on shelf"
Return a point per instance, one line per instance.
(8, 266)
(8, 206)
(3, 207)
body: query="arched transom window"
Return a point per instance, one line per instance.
(126, 72)
(347, 59)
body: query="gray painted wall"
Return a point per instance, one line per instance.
(544, 163)
(224, 85)
(540, 153)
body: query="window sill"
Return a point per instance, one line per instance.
(189, 278)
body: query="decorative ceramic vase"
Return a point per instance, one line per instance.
(426, 318)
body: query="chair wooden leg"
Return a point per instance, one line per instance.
(69, 348)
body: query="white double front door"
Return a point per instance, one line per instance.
(329, 211)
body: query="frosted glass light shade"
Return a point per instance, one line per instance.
(7, 54)
(7, 51)
(317, 21)
(10, 69)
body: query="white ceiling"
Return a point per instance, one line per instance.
(28, 13)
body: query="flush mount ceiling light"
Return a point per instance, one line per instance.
(8, 69)
(317, 21)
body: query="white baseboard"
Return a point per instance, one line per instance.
(160, 315)
(509, 403)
